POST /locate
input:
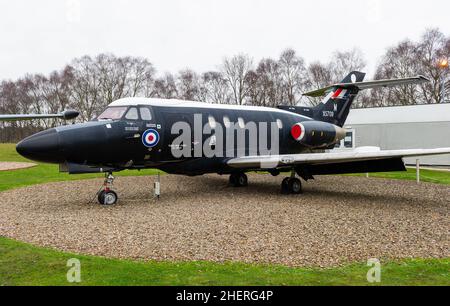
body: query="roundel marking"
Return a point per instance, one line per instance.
(150, 138)
(298, 131)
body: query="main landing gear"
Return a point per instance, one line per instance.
(239, 180)
(291, 185)
(107, 196)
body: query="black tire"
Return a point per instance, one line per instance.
(285, 186)
(239, 180)
(242, 180)
(295, 186)
(107, 198)
(233, 179)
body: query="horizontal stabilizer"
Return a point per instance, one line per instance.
(366, 85)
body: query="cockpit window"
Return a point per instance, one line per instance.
(146, 114)
(112, 113)
(132, 114)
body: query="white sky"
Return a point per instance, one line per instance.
(41, 36)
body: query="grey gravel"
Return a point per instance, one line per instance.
(337, 220)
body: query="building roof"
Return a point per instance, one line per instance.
(400, 114)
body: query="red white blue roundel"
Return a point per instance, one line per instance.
(150, 138)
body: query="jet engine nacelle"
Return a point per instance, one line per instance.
(316, 134)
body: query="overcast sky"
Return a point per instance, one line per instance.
(41, 36)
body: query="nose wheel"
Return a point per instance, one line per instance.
(107, 196)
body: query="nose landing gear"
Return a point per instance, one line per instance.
(107, 196)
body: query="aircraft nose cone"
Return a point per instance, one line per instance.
(41, 147)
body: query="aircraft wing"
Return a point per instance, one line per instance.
(370, 84)
(67, 115)
(279, 161)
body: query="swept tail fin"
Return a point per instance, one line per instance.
(339, 97)
(336, 105)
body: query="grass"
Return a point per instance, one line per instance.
(24, 264)
(429, 176)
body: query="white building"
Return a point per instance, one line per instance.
(402, 127)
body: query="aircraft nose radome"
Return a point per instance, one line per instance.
(42, 147)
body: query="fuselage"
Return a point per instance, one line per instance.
(138, 133)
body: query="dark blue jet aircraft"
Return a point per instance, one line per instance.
(193, 138)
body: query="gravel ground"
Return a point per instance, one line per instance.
(5, 166)
(337, 220)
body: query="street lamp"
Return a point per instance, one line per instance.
(443, 64)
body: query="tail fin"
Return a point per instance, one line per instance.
(335, 107)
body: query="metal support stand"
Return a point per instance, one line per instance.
(418, 171)
(157, 187)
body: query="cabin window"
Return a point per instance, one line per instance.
(113, 113)
(227, 122)
(280, 124)
(212, 122)
(241, 123)
(132, 114)
(146, 114)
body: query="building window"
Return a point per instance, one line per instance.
(132, 114)
(349, 141)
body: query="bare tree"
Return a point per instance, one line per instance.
(344, 62)
(188, 85)
(398, 62)
(411, 58)
(319, 76)
(294, 76)
(165, 87)
(214, 88)
(266, 84)
(235, 71)
(433, 47)
(140, 76)
(86, 87)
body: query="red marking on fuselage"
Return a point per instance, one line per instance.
(296, 131)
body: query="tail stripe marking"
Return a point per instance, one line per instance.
(336, 93)
(339, 94)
